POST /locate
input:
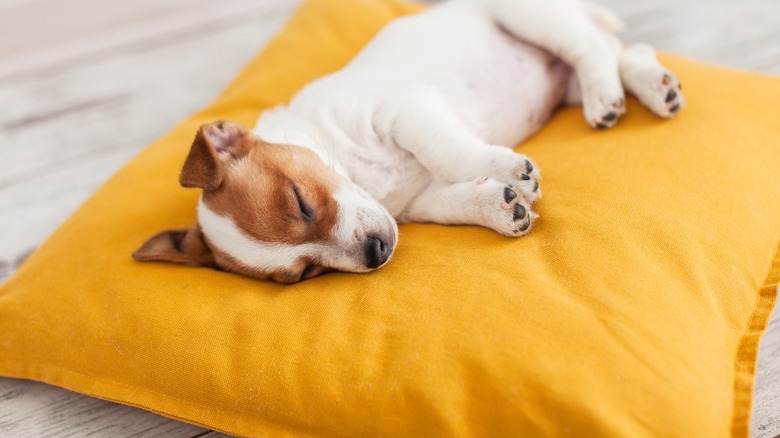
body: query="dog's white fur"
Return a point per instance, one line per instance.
(424, 118)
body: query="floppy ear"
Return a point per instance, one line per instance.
(177, 246)
(214, 144)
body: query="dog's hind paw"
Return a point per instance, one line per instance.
(662, 95)
(603, 112)
(654, 86)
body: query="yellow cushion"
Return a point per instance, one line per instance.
(634, 308)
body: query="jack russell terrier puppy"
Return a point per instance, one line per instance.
(418, 127)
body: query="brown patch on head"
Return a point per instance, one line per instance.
(274, 193)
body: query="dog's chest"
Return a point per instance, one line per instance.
(390, 174)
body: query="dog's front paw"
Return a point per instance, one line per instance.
(521, 173)
(503, 209)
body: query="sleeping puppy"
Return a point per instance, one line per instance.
(418, 127)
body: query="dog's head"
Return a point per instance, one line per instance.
(272, 211)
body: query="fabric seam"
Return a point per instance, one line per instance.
(747, 352)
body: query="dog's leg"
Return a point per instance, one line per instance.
(424, 124)
(654, 86)
(569, 30)
(484, 201)
(644, 77)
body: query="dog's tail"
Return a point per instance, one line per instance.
(604, 18)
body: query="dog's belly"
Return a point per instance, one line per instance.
(512, 96)
(501, 88)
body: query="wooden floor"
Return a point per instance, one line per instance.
(83, 92)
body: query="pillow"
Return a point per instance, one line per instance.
(634, 308)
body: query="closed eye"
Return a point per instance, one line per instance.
(306, 212)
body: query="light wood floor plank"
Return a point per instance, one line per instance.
(36, 37)
(72, 130)
(34, 410)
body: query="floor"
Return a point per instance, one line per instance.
(84, 94)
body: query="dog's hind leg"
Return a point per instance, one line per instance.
(572, 30)
(484, 201)
(645, 77)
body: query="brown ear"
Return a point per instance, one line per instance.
(214, 144)
(177, 246)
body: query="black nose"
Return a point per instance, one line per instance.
(377, 251)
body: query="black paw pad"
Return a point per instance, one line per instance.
(674, 108)
(525, 177)
(536, 185)
(610, 116)
(528, 167)
(525, 225)
(509, 194)
(602, 125)
(519, 212)
(670, 96)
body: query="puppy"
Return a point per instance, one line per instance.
(418, 127)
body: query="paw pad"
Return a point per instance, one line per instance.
(673, 100)
(509, 194)
(519, 212)
(611, 116)
(523, 227)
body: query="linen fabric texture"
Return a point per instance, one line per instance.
(634, 307)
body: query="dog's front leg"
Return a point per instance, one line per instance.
(426, 126)
(484, 201)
